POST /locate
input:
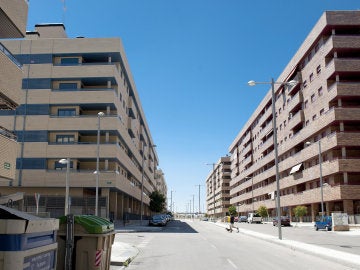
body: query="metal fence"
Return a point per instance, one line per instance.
(54, 205)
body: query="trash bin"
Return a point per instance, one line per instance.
(93, 239)
(27, 241)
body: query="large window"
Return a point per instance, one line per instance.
(69, 61)
(65, 138)
(66, 112)
(60, 166)
(67, 86)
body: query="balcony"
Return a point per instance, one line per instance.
(131, 108)
(13, 18)
(296, 120)
(98, 70)
(108, 96)
(86, 122)
(295, 102)
(342, 65)
(131, 127)
(11, 79)
(350, 114)
(342, 90)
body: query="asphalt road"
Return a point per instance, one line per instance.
(200, 245)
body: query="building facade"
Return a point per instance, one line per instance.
(80, 103)
(13, 17)
(322, 109)
(218, 188)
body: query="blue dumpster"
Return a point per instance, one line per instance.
(26, 241)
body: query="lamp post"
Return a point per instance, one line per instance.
(273, 100)
(199, 198)
(100, 114)
(67, 162)
(213, 176)
(171, 201)
(142, 181)
(321, 179)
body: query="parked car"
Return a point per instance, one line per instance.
(285, 221)
(242, 219)
(324, 223)
(254, 218)
(158, 220)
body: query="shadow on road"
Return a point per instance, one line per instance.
(177, 226)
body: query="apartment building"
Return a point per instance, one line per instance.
(318, 122)
(13, 17)
(80, 107)
(218, 188)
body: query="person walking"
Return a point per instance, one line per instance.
(232, 220)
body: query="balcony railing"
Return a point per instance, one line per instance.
(9, 55)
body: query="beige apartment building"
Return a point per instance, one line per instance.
(218, 188)
(80, 104)
(322, 109)
(13, 18)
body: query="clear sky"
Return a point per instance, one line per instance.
(191, 61)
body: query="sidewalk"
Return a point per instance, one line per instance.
(351, 260)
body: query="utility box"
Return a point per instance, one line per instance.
(93, 240)
(26, 241)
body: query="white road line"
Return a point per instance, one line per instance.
(213, 246)
(232, 264)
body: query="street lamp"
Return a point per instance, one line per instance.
(100, 114)
(142, 180)
(272, 83)
(67, 162)
(321, 179)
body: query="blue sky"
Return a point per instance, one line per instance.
(191, 61)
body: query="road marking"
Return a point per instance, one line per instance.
(232, 264)
(213, 246)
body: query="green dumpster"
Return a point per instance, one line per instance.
(93, 239)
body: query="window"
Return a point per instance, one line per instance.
(305, 84)
(306, 104)
(67, 86)
(307, 123)
(320, 91)
(311, 77)
(60, 166)
(65, 138)
(322, 111)
(66, 112)
(69, 61)
(313, 98)
(318, 69)
(314, 117)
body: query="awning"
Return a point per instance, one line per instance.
(296, 168)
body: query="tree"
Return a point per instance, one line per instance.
(157, 201)
(262, 211)
(300, 211)
(232, 210)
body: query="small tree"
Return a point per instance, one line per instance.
(300, 211)
(157, 201)
(232, 210)
(262, 211)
